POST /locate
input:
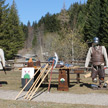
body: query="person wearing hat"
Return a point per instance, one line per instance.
(97, 55)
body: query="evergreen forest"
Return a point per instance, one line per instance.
(68, 33)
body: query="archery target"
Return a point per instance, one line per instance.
(27, 73)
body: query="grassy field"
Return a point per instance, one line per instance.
(12, 81)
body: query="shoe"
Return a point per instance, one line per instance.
(95, 80)
(101, 81)
(105, 84)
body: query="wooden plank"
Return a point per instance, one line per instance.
(78, 71)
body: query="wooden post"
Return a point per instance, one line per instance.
(78, 72)
(68, 77)
(63, 81)
(78, 78)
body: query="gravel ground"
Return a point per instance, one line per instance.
(91, 98)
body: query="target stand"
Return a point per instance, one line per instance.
(63, 81)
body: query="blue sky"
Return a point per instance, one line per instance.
(33, 10)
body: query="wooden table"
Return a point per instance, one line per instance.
(64, 74)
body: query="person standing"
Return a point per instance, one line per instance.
(2, 59)
(97, 55)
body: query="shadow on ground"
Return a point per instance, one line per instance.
(3, 82)
(85, 84)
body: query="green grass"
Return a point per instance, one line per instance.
(13, 80)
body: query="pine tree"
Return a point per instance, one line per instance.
(103, 34)
(25, 30)
(73, 12)
(81, 17)
(4, 11)
(63, 17)
(35, 27)
(34, 41)
(64, 22)
(92, 24)
(15, 33)
(51, 23)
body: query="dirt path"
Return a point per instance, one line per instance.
(91, 98)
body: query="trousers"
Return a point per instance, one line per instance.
(98, 70)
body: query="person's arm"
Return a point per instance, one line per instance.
(88, 57)
(105, 55)
(2, 57)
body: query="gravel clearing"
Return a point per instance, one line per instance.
(91, 98)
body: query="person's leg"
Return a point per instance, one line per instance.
(101, 73)
(94, 73)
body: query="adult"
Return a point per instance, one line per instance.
(98, 56)
(2, 59)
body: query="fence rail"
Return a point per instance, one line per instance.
(12, 64)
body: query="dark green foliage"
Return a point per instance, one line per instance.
(51, 23)
(25, 30)
(77, 13)
(11, 34)
(35, 25)
(97, 21)
(4, 11)
(81, 16)
(103, 34)
(54, 23)
(34, 41)
(92, 24)
(15, 32)
(28, 24)
(73, 11)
